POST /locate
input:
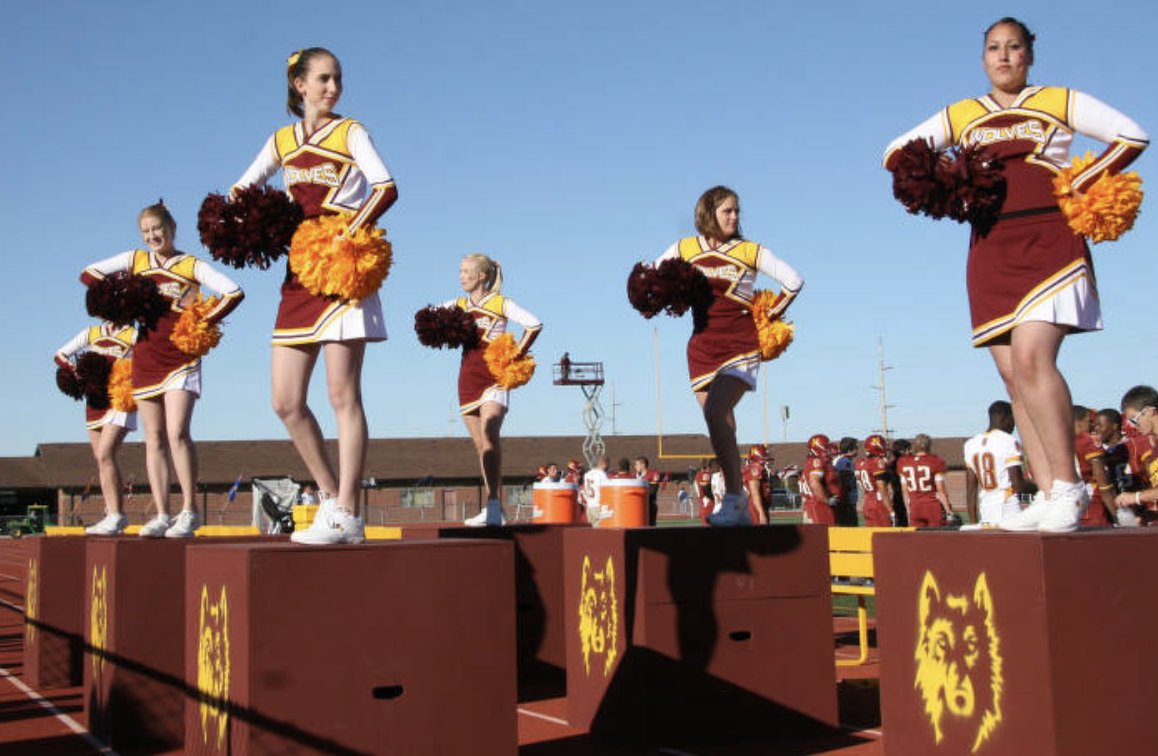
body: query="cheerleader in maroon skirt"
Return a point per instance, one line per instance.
(329, 166)
(1030, 278)
(107, 426)
(724, 350)
(482, 400)
(166, 380)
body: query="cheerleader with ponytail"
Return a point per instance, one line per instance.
(493, 363)
(329, 299)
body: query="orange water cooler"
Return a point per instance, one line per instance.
(624, 503)
(554, 503)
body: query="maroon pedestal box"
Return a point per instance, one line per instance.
(1007, 643)
(698, 632)
(134, 629)
(134, 609)
(539, 617)
(54, 612)
(395, 647)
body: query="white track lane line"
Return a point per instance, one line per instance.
(48, 706)
(544, 717)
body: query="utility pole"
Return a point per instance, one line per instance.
(880, 387)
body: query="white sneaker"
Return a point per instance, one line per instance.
(331, 525)
(112, 524)
(733, 512)
(1029, 518)
(156, 527)
(1067, 504)
(492, 516)
(184, 525)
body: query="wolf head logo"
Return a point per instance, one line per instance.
(213, 666)
(959, 662)
(598, 615)
(31, 600)
(98, 618)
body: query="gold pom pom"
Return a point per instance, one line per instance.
(121, 386)
(510, 370)
(192, 334)
(330, 261)
(775, 334)
(1108, 207)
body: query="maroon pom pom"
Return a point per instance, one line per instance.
(253, 229)
(674, 287)
(645, 290)
(125, 299)
(965, 184)
(685, 286)
(450, 327)
(92, 373)
(976, 186)
(68, 383)
(917, 179)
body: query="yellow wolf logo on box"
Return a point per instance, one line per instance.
(213, 666)
(959, 662)
(31, 600)
(98, 619)
(598, 615)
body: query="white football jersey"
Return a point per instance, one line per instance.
(990, 455)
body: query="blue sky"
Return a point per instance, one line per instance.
(568, 141)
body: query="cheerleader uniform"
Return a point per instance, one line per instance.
(476, 383)
(724, 340)
(113, 343)
(1030, 266)
(158, 365)
(334, 170)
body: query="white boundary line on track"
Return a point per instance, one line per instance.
(76, 728)
(48, 706)
(544, 717)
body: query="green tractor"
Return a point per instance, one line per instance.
(33, 522)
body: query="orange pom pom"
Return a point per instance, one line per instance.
(775, 334)
(510, 370)
(1108, 207)
(330, 261)
(192, 334)
(121, 387)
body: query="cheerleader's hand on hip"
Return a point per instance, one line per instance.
(780, 304)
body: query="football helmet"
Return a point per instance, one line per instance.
(874, 445)
(818, 445)
(758, 452)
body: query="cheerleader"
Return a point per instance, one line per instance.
(166, 380)
(482, 401)
(724, 350)
(107, 426)
(1030, 278)
(329, 165)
